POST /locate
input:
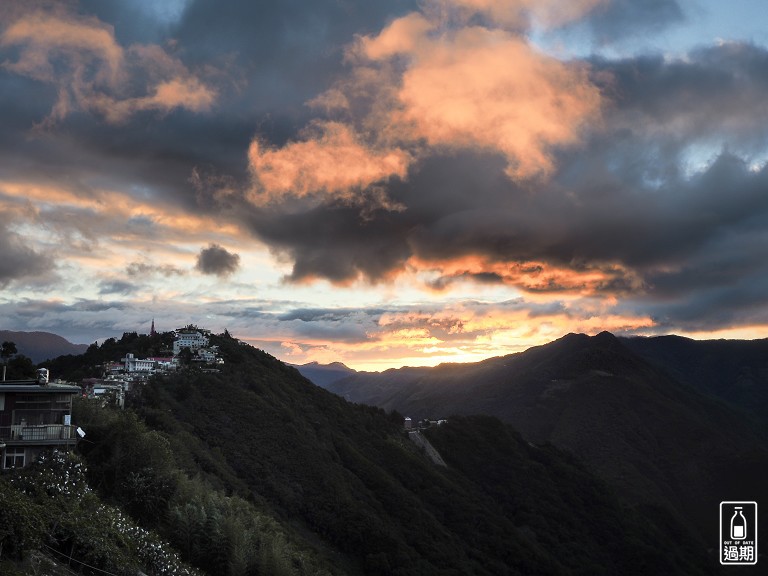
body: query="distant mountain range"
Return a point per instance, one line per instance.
(41, 346)
(733, 371)
(666, 420)
(324, 374)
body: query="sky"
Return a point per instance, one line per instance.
(384, 183)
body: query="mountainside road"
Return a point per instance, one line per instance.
(417, 438)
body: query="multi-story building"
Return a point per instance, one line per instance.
(194, 340)
(133, 364)
(34, 416)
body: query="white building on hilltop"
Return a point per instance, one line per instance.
(133, 364)
(192, 340)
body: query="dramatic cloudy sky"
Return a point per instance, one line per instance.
(384, 183)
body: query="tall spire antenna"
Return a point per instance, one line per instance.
(152, 330)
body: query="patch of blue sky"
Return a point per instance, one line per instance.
(165, 12)
(705, 23)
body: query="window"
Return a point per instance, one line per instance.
(14, 458)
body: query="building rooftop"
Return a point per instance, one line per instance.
(32, 387)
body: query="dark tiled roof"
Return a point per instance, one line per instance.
(32, 387)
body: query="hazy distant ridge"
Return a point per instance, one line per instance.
(40, 346)
(324, 374)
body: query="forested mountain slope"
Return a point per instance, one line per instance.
(348, 476)
(652, 438)
(736, 371)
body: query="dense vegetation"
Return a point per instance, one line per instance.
(254, 470)
(50, 505)
(653, 438)
(15, 366)
(735, 371)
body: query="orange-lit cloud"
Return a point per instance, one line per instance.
(461, 333)
(478, 87)
(81, 56)
(109, 211)
(45, 36)
(332, 160)
(423, 84)
(533, 276)
(103, 242)
(187, 93)
(747, 332)
(469, 323)
(406, 35)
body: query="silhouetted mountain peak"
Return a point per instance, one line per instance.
(324, 374)
(574, 355)
(330, 366)
(605, 336)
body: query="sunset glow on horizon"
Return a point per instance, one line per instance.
(404, 183)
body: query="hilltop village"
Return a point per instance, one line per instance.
(35, 415)
(191, 346)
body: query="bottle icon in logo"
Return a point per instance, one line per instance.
(738, 525)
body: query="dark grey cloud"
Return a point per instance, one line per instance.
(17, 260)
(618, 19)
(335, 242)
(342, 242)
(481, 278)
(716, 94)
(328, 314)
(285, 52)
(97, 306)
(117, 287)
(217, 261)
(141, 21)
(82, 321)
(146, 269)
(350, 325)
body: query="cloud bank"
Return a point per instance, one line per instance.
(414, 180)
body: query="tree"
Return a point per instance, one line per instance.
(185, 356)
(8, 349)
(20, 368)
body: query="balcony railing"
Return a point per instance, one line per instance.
(37, 433)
